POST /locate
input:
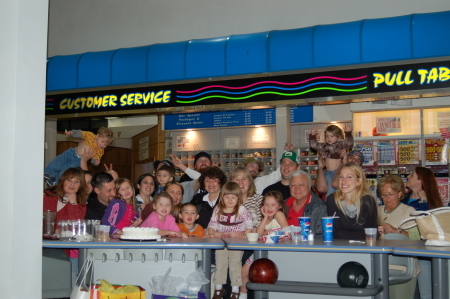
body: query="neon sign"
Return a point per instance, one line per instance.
(424, 76)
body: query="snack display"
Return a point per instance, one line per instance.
(140, 233)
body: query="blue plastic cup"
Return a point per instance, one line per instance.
(305, 224)
(327, 228)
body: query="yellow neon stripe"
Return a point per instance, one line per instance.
(422, 253)
(310, 249)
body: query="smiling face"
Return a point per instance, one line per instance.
(230, 201)
(147, 186)
(126, 191)
(106, 192)
(176, 193)
(253, 168)
(271, 206)
(348, 181)
(330, 138)
(202, 163)
(163, 206)
(189, 215)
(212, 185)
(299, 187)
(242, 180)
(354, 159)
(390, 198)
(287, 167)
(71, 185)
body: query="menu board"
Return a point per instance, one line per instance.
(301, 114)
(219, 119)
(408, 152)
(435, 152)
(386, 152)
(366, 148)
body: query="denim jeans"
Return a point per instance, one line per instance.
(61, 163)
(329, 178)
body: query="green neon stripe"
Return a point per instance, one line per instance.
(271, 92)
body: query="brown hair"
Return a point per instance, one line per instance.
(162, 195)
(396, 183)
(229, 188)
(278, 197)
(107, 133)
(335, 130)
(167, 168)
(429, 185)
(119, 183)
(212, 172)
(68, 174)
(176, 209)
(188, 204)
(242, 169)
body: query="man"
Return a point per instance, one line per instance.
(321, 184)
(201, 161)
(287, 166)
(304, 203)
(104, 191)
(255, 167)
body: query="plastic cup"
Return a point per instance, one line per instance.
(304, 223)
(327, 228)
(104, 233)
(296, 232)
(252, 237)
(371, 235)
(49, 222)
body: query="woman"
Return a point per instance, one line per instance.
(176, 191)
(145, 188)
(252, 201)
(424, 193)
(88, 178)
(391, 191)
(211, 180)
(68, 199)
(353, 204)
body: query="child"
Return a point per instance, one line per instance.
(164, 175)
(188, 216)
(122, 211)
(161, 217)
(333, 146)
(72, 156)
(273, 211)
(229, 219)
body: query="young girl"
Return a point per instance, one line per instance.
(122, 211)
(274, 218)
(230, 219)
(161, 217)
(188, 216)
(332, 148)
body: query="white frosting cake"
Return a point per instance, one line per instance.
(140, 233)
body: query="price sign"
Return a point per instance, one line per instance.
(408, 152)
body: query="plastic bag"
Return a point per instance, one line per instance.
(195, 280)
(178, 286)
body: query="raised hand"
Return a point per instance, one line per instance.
(314, 130)
(288, 147)
(348, 127)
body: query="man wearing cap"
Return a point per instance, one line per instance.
(321, 184)
(288, 165)
(255, 167)
(201, 161)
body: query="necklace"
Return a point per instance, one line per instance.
(392, 210)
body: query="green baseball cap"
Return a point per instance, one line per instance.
(290, 155)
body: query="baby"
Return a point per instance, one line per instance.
(72, 156)
(188, 216)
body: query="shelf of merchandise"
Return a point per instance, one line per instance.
(230, 158)
(307, 158)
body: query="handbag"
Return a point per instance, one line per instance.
(434, 225)
(81, 291)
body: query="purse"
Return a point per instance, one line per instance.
(81, 291)
(434, 225)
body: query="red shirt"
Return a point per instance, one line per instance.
(292, 217)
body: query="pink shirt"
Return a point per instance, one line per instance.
(228, 223)
(169, 222)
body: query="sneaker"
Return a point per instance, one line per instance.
(234, 295)
(218, 294)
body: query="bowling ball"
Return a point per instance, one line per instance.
(352, 275)
(263, 271)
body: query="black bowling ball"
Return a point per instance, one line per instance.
(352, 275)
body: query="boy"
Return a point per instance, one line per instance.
(71, 157)
(164, 174)
(188, 216)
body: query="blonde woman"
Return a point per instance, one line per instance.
(353, 204)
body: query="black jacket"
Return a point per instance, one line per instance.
(204, 209)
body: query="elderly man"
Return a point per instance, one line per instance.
(201, 161)
(304, 203)
(288, 165)
(321, 183)
(104, 190)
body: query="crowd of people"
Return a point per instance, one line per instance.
(208, 204)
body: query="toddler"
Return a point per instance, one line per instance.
(229, 219)
(332, 147)
(164, 175)
(122, 211)
(274, 218)
(72, 156)
(188, 216)
(161, 217)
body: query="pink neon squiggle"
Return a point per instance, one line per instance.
(276, 82)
